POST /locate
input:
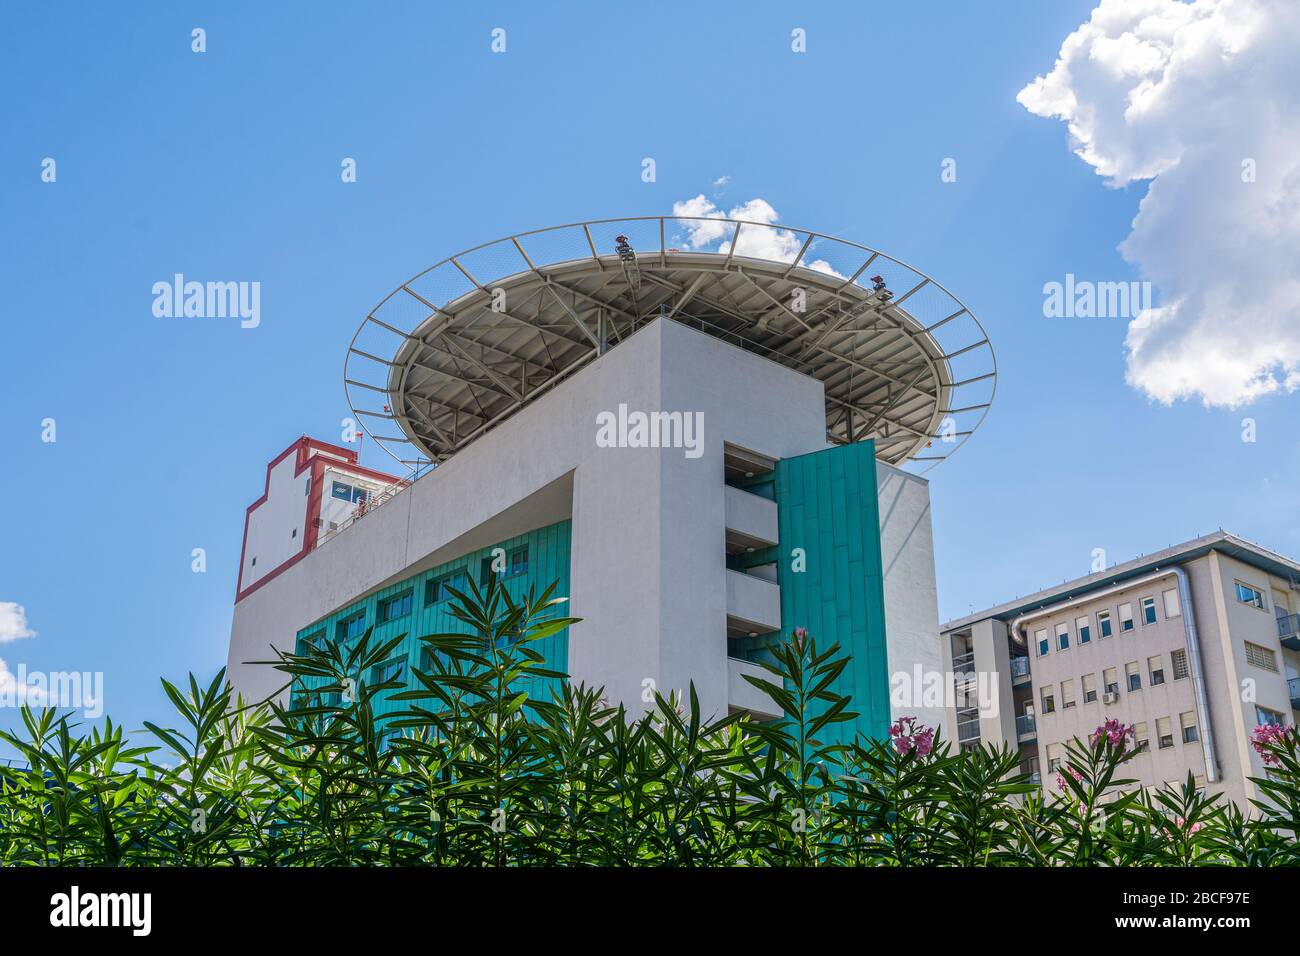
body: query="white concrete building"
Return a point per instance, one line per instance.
(1194, 646)
(704, 450)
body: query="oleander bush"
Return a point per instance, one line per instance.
(472, 772)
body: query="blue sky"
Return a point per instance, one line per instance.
(225, 165)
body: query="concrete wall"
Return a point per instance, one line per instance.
(911, 598)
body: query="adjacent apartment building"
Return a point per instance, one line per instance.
(701, 449)
(1194, 646)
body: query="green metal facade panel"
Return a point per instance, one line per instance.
(548, 562)
(828, 505)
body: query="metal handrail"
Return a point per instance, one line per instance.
(728, 230)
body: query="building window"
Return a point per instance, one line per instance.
(1041, 637)
(1084, 629)
(1265, 716)
(388, 670)
(350, 627)
(360, 494)
(516, 563)
(307, 490)
(1260, 657)
(254, 564)
(1156, 668)
(1063, 637)
(1103, 623)
(1089, 688)
(1179, 659)
(1134, 676)
(1148, 610)
(1049, 701)
(342, 491)
(1248, 595)
(1164, 733)
(1067, 694)
(1110, 678)
(437, 590)
(1172, 607)
(1140, 739)
(1053, 758)
(391, 608)
(1126, 617)
(311, 641)
(1188, 722)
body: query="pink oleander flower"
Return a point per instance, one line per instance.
(1182, 825)
(909, 737)
(1267, 736)
(801, 632)
(1060, 778)
(1116, 734)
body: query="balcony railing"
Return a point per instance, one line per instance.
(964, 663)
(1288, 631)
(1293, 685)
(1019, 669)
(968, 730)
(1026, 729)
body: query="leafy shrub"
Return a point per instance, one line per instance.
(471, 771)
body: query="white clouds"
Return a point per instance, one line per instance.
(759, 242)
(1203, 100)
(13, 622)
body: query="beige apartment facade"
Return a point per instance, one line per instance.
(1194, 646)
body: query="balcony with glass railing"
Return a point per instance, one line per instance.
(1293, 686)
(1026, 728)
(1288, 631)
(1019, 670)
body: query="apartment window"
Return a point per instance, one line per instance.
(1248, 595)
(360, 494)
(1265, 716)
(1103, 623)
(1172, 606)
(391, 608)
(1053, 758)
(1089, 688)
(388, 670)
(350, 627)
(1164, 733)
(1261, 657)
(308, 641)
(1134, 676)
(1110, 681)
(1063, 637)
(307, 490)
(1049, 701)
(1083, 628)
(1156, 668)
(1067, 694)
(1140, 740)
(1188, 723)
(1041, 637)
(516, 563)
(437, 590)
(1179, 659)
(341, 490)
(1148, 610)
(1126, 617)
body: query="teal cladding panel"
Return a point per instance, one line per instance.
(548, 562)
(828, 505)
